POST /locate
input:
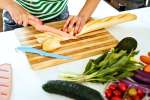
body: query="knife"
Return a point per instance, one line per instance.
(42, 53)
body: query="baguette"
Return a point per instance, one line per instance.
(51, 44)
(53, 40)
(107, 22)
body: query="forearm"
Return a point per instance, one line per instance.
(88, 9)
(4, 4)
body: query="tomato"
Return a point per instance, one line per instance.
(132, 91)
(127, 98)
(145, 59)
(147, 68)
(122, 86)
(112, 86)
(117, 93)
(136, 98)
(140, 92)
(108, 93)
(116, 98)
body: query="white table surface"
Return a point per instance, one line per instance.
(27, 83)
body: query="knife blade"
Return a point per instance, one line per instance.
(42, 53)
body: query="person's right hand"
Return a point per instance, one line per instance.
(20, 15)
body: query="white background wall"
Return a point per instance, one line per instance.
(75, 6)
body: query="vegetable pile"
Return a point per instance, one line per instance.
(122, 91)
(115, 90)
(116, 64)
(141, 78)
(144, 87)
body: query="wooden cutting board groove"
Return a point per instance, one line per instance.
(71, 52)
(67, 50)
(90, 44)
(53, 62)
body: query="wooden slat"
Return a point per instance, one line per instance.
(48, 63)
(73, 51)
(87, 45)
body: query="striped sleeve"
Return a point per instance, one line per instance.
(44, 9)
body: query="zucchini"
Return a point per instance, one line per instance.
(72, 90)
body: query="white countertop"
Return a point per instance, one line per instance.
(27, 83)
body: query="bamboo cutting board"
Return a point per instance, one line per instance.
(90, 44)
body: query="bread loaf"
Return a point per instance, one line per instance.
(51, 44)
(53, 40)
(107, 22)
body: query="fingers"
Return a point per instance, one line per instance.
(21, 16)
(67, 23)
(72, 24)
(20, 20)
(75, 24)
(34, 24)
(25, 20)
(38, 21)
(81, 27)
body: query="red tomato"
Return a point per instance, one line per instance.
(117, 93)
(140, 92)
(136, 98)
(127, 98)
(116, 98)
(108, 93)
(145, 59)
(112, 86)
(122, 86)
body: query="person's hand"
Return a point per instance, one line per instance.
(75, 24)
(20, 15)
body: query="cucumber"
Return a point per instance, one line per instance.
(72, 90)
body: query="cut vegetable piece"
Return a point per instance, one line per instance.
(51, 44)
(71, 89)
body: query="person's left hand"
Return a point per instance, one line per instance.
(75, 24)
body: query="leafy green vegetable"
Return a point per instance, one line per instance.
(100, 58)
(116, 64)
(113, 66)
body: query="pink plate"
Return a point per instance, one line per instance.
(5, 81)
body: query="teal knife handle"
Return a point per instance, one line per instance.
(42, 53)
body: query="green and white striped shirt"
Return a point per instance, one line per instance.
(44, 9)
